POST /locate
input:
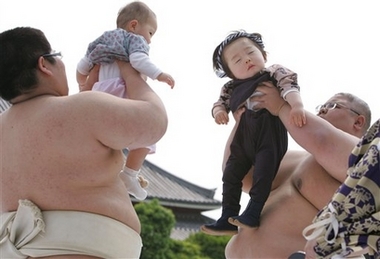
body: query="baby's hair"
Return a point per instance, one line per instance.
(220, 68)
(133, 11)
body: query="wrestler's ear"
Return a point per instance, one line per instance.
(359, 122)
(43, 65)
(131, 26)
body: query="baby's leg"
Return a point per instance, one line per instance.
(132, 180)
(136, 158)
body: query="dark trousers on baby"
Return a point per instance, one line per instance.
(260, 140)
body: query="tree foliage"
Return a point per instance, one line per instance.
(157, 223)
(185, 250)
(212, 246)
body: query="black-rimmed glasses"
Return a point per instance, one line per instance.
(332, 106)
(55, 54)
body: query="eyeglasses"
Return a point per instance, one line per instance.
(332, 106)
(55, 54)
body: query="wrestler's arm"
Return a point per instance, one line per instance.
(330, 146)
(149, 113)
(117, 123)
(91, 79)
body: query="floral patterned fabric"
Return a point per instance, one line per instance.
(116, 44)
(351, 221)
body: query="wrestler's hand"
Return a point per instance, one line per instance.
(220, 115)
(92, 78)
(270, 100)
(81, 79)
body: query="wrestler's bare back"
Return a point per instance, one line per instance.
(32, 136)
(291, 207)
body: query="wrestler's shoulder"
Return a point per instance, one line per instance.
(295, 156)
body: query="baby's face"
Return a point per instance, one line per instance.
(148, 29)
(243, 58)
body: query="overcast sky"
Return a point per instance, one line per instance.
(332, 45)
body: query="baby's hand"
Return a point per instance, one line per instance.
(298, 117)
(221, 117)
(166, 78)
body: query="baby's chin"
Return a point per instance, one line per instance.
(250, 74)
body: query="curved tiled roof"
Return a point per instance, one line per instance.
(173, 191)
(185, 199)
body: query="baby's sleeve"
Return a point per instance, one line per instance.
(139, 57)
(287, 80)
(224, 97)
(137, 43)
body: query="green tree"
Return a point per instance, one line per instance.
(185, 250)
(156, 225)
(199, 246)
(211, 246)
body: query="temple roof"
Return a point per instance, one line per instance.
(175, 192)
(185, 199)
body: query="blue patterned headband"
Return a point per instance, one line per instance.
(217, 58)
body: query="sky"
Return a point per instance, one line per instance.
(333, 46)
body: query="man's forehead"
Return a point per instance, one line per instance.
(337, 98)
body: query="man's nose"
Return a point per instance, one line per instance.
(322, 111)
